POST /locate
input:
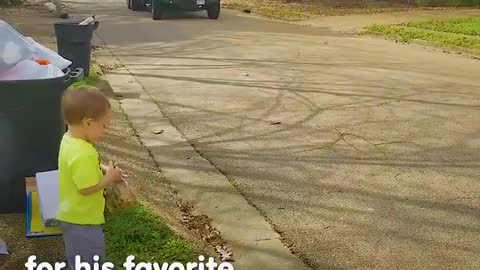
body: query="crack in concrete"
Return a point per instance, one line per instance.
(362, 138)
(263, 239)
(400, 142)
(341, 137)
(372, 106)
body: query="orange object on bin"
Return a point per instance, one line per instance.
(43, 61)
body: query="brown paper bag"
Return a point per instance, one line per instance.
(119, 196)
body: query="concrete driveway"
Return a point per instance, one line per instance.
(362, 153)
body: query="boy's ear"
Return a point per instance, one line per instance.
(88, 121)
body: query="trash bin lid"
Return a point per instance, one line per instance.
(72, 31)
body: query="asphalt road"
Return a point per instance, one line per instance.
(362, 153)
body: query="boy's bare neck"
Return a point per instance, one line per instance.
(76, 132)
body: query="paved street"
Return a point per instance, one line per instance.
(362, 153)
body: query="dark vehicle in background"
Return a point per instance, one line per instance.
(160, 7)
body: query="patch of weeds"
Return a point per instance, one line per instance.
(92, 80)
(467, 26)
(139, 232)
(456, 33)
(104, 68)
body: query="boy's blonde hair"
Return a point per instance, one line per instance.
(83, 102)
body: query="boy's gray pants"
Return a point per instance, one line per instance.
(85, 241)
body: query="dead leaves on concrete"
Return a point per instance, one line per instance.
(224, 252)
(105, 68)
(202, 226)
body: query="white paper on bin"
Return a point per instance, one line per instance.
(31, 70)
(47, 188)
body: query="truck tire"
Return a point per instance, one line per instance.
(213, 11)
(129, 4)
(157, 12)
(138, 5)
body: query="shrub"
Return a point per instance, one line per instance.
(424, 3)
(448, 3)
(10, 3)
(458, 3)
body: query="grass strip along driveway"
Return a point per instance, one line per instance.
(450, 33)
(137, 231)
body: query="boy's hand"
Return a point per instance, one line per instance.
(104, 168)
(113, 173)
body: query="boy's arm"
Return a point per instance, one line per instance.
(91, 190)
(104, 168)
(85, 173)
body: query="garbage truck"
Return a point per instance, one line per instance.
(160, 7)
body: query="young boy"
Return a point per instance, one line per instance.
(81, 181)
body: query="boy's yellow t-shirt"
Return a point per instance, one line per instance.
(79, 168)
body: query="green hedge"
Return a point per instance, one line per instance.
(10, 3)
(448, 3)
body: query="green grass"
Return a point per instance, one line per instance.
(467, 26)
(301, 10)
(137, 231)
(452, 33)
(10, 3)
(92, 80)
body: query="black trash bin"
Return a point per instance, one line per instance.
(74, 42)
(31, 128)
